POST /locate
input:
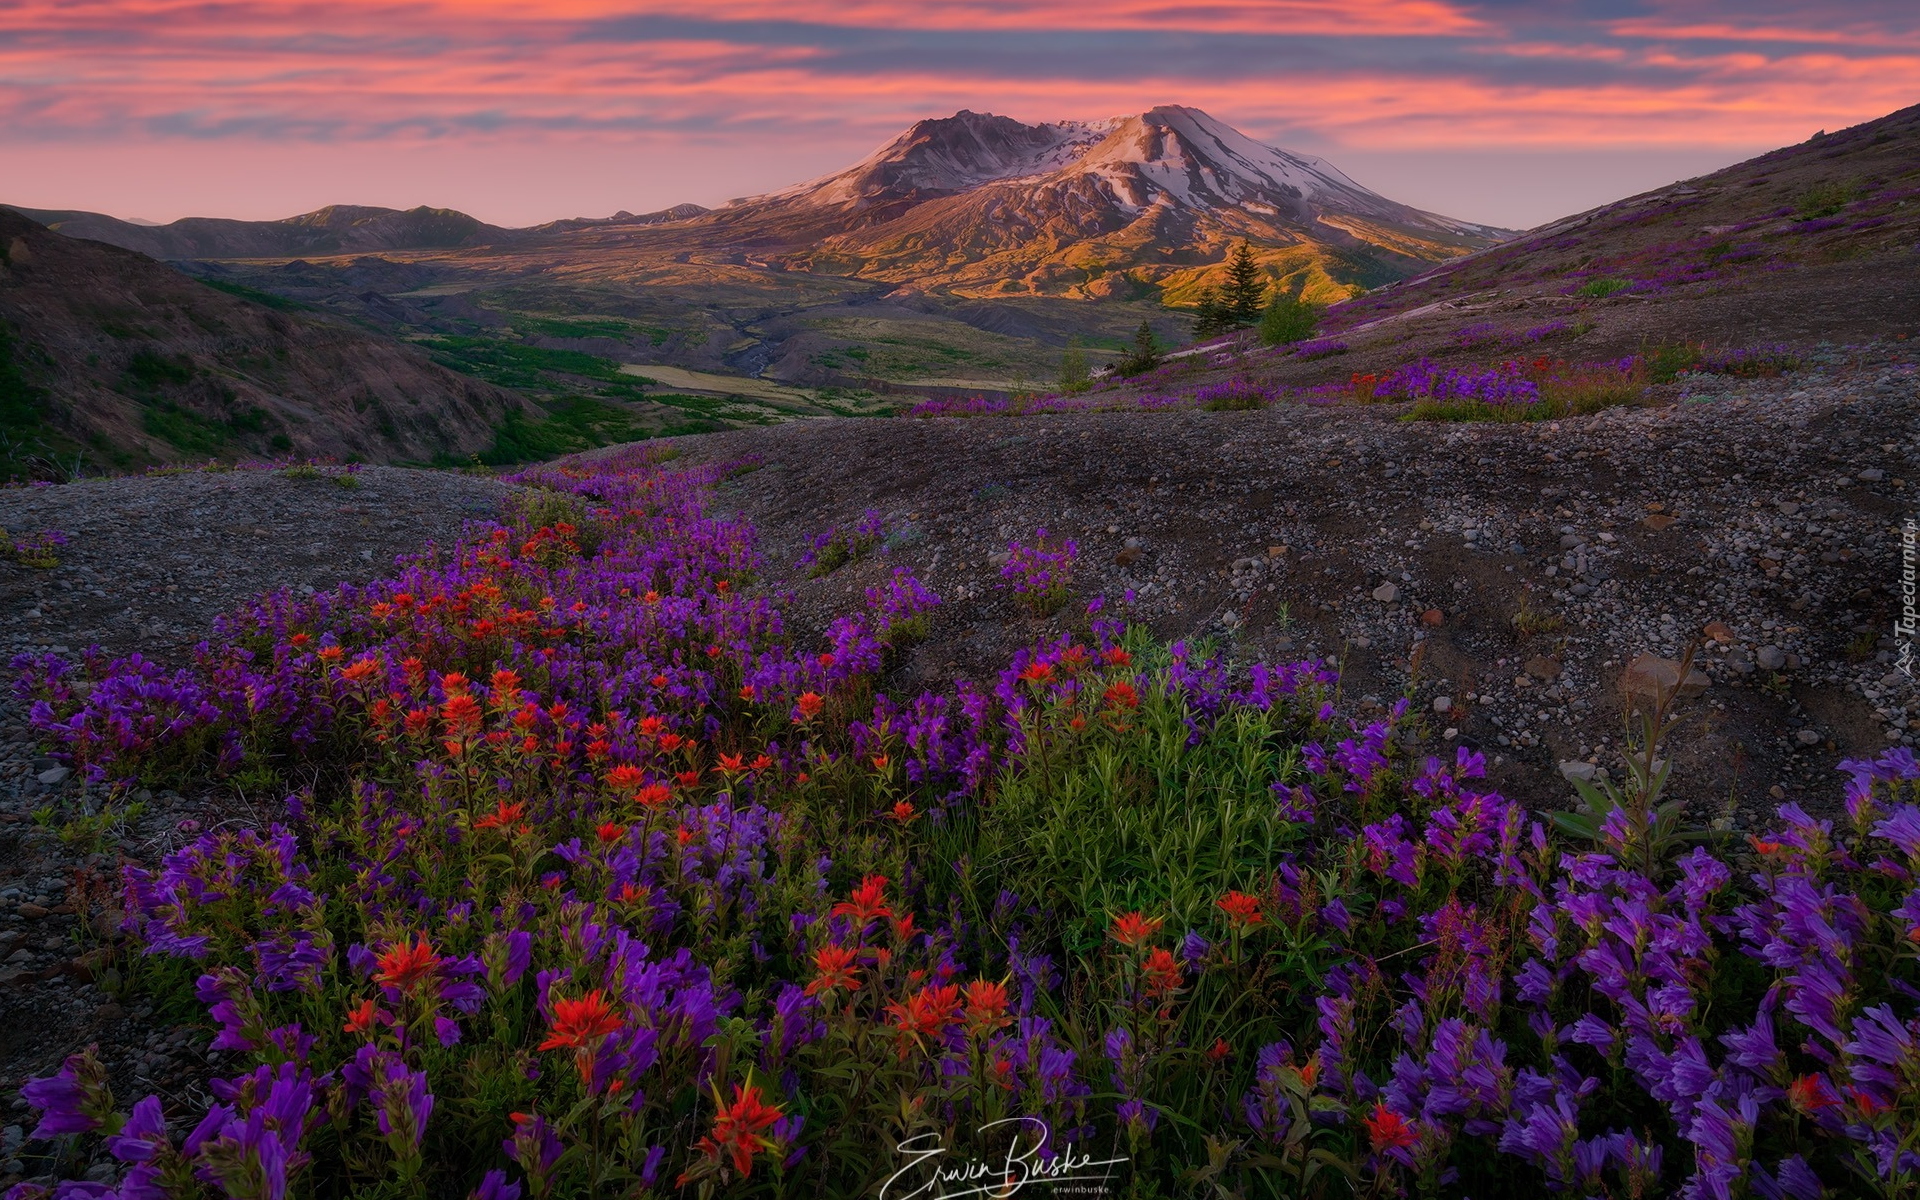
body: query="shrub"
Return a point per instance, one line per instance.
(835, 548)
(1598, 289)
(1825, 199)
(1288, 319)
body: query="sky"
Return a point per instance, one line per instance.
(1509, 112)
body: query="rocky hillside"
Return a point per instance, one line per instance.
(122, 361)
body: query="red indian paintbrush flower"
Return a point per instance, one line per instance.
(364, 1016)
(836, 968)
(1811, 1093)
(1387, 1129)
(407, 964)
(579, 1024)
(927, 1011)
(986, 1007)
(1132, 929)
(809, 705)
(1162, 970)
(737, 1126)
(503, 816)
(1243, 910)
(626, 778)
(869, 901)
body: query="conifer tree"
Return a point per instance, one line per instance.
(1246, 292)
(1144, 356)
(1209, 319)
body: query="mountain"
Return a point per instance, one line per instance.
(337, 229)
(986, 206)
(134, 362)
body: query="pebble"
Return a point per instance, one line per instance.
(1770, 658)
(1387, 593)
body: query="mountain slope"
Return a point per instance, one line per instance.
(1843, 208)
(137, 363)
(336, 229)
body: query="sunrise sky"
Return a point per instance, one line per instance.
(1506, 111)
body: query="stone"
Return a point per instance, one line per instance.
(1275, 551)
(1777, 792)
(1871, 475)
(1660, 521)
(1808, 737)
(1770, 658)
(1718, 632)
(1387, 593)
(1127, 557)
(53, 775)
(31, 911)
(1576, 771)
(1649, 677)
(1443, 704)
(1432, 616)
(1540, 666)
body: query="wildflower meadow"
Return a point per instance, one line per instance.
(590, 878)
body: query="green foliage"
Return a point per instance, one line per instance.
(571, 424)
(1074, 378)
(1599, 289)
(1245, 291)
(185, 431)
(1288, 319)
(1668, 360)
(513, 365)
(1210, 318)
(1143, 357)
(149, 370)
(1826, 199)
(264, 299)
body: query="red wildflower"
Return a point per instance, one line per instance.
(1810, 1093)
(580, 1024)
(1037, 673)
(902, 811)
(826, 660)
(653, 795)
(419, 722)
(1132, 929)
(462, 713)
(611, 832)
(737, 1126)
(868, 902)
(1219, 1051)
(359, 669)
(1117, 657)
(626, 778)
(747, 693)
(454, 683)
(1121, 695)
(1243, 910)
(881, 762)
(729, 763)
(1162, 970)
(506, 686)
(502, 816)
(1387, 1128)
(364, 1016)
(406, 964)
(809, 705)
(986, 1007)
(836, 968)
(927, 1011)
(688, 778)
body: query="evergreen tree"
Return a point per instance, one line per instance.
(1144, 356)
(1209, 319)
(1073, 369)
(1246, 291)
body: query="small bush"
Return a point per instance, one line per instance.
(1824, 200)
(1599, 289)
(1288, 319)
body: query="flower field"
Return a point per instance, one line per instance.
(591, 879)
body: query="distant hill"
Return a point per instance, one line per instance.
(337, 229)
(129, 361)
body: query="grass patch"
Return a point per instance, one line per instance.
(1599, 289)
(1825, 199)
(263, 299)
(513, 365)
